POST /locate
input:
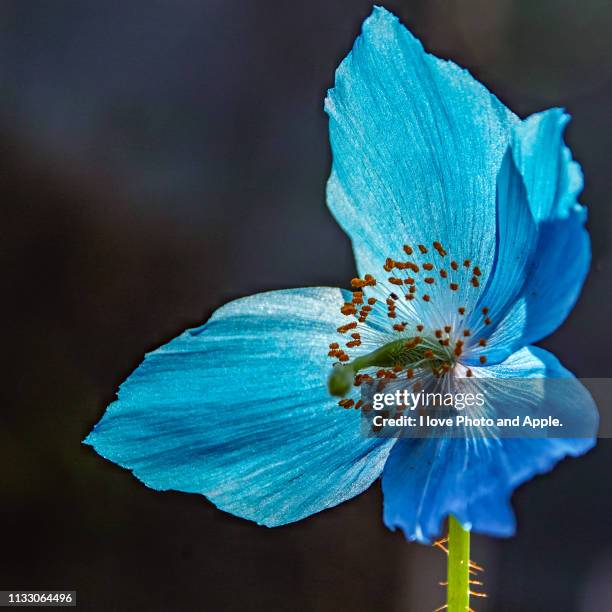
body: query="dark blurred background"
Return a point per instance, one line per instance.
(160, 158)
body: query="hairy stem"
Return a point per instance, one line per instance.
(458, 567)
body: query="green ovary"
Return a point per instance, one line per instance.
(406, 352)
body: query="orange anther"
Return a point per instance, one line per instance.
(438, 333)
(477, 271)
(469, 373)
(482, 342)
(454, 265)
(422, 248)
(466, 332)
(467, 263)
(428, 266)
(426, 298)
(371, 301)
(409, 373)
(454, 286)
(483, 359)
(412, 343)
(475, 281)
(408, 250)
(439, 248)
(443, 273)
(429, 280)
(396, 281)
(487, 321)
(485, 311)
(334, 345)
(420, 328)
(461, 310)
(447, 329)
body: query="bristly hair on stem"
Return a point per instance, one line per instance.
(462, 573)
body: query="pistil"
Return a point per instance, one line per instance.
(404, 353)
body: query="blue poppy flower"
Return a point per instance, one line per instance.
(470, 245)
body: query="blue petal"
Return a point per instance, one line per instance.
(238, 411)
(417, 144)
(562, 252)
(553, 179)
(425, 480)
(516, 241)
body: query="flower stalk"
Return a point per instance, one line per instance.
(458, 591)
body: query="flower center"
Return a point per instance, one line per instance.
(427, 283)
(391, 359)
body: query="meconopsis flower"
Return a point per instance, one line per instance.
(470, 245)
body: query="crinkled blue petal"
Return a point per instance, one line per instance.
(553, 179)
(562, 255)
(417, 145)
(425, 480)
(238, 411)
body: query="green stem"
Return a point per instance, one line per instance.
(458, 567)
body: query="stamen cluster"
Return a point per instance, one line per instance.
(415, 347)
